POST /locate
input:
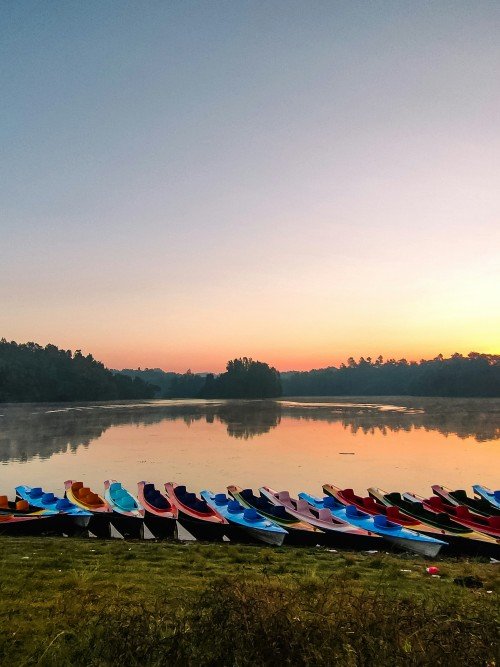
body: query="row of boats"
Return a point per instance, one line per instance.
(448, 521)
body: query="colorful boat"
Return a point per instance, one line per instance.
(335, 532)
(195, 515)
(16, 518)
(461, 540)
(159, 515)
(460, 497)
(128, 514)
(380, 525)
(374, 507)
(460, 515)
(83, 497)
(299, 532)
(245, 522)
(492, 497)
(73, 519)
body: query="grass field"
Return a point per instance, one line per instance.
(92, 602)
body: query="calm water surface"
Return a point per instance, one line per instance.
(396, 443)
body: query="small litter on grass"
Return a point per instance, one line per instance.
(494, 561)
(432, 570)
(489, 591)
(333, 551)
(436, 576)
(25, 557)
(371, 551)
(405, 570)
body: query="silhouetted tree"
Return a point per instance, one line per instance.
(30, 372)
(244, 378)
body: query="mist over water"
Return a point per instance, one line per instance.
(397, 443)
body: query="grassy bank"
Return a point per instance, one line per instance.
(71, 602)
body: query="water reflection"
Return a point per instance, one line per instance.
(35, 430)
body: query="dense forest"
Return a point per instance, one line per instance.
(475, 375)
(30, 372)
(244, 378)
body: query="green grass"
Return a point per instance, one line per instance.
(92, 602)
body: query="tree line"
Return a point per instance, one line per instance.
(474, 375)
(32, 373)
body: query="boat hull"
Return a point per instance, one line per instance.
(205, 531)
(130, 527)
(162, 528)
(100, 524)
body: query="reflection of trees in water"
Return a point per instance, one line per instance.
(464, 418)
(27, 431)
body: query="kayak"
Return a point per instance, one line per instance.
(83, 497)
(336, 532)
(299, 532)
(128, 514)
(492, 497)
(73, 519)
(380, 525)
(245, 521)
(461, 540)
(460, 514)
(159, 515)
(460, 497)
(195, 515)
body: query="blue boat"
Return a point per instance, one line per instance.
(128, 513)
(72, 518)
(378, 525)
(493, 497)
(245, 521)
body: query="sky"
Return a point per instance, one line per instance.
(182, 183)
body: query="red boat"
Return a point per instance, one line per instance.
(462, 515)
(160, 515)
(195, 515)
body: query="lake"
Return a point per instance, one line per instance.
(397, 443)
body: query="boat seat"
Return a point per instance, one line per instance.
(63, 504)
(353, 513)
(330, 502)
(284, 496)
(393, 513)
(83, 491)
(36, 492)
(324, 514)
(349, 494)
(369, 503)
(302, 505)
(494, 522)
(234, 507)
(251, 515)
(221, 499)
(462, 512)
(4, 501)
(48, 498)
(496, 495)
(158, 501)
(180, 490)
(22, 506)
(436, 503)
(381, 521)
(75, 486)
(459, 494)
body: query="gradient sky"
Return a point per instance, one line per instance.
(185, 182)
